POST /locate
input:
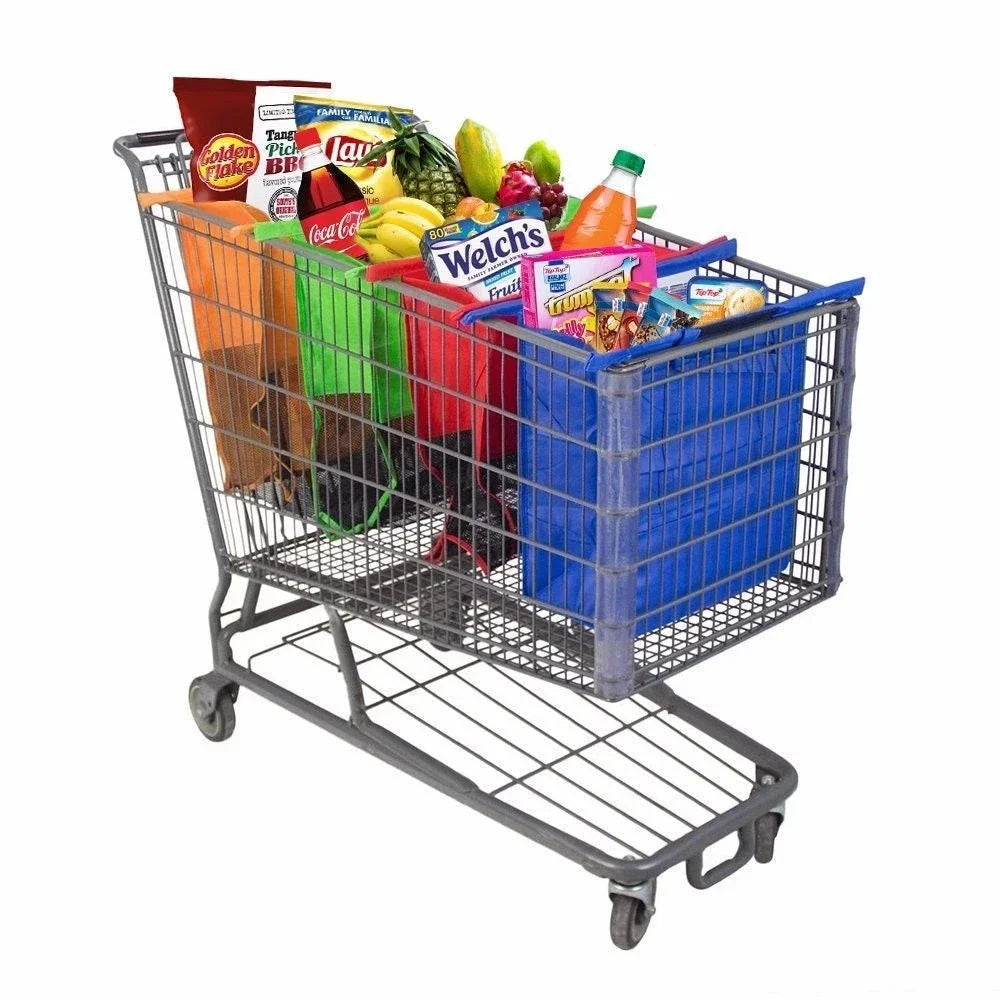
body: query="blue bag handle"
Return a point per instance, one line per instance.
(840, 292)
(708, 254)
(510, 308)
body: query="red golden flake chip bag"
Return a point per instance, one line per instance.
(218, 120)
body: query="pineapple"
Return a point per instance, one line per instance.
(427, 169)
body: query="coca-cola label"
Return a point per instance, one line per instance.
(336, 228)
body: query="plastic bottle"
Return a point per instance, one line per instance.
(331, 206)
(606, 217)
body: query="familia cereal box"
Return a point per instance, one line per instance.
(557, 287)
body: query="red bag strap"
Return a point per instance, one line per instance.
(395, 269)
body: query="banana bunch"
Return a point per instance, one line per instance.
(393, 230)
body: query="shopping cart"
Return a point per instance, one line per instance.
(477, 592)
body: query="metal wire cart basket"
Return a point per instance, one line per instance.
(503, 552)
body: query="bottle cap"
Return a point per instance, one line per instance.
(630, 161)
(306, 137)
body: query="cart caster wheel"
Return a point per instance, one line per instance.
(765, 830)
(629, 920)
(218, 725)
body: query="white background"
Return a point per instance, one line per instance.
(140, 861)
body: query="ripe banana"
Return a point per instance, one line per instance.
(379, 254)
(399, 240)
(393, 230)
(416, 224)
(414, 206)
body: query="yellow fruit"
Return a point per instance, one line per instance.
(413, 223)
(399, 240)
(466, 208)
(486, 212)
(414, 206)
(480, 158)
(380, 254)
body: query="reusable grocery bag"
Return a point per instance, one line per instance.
(240, 306)
(465, 403)
(353, 367)
(718, 470)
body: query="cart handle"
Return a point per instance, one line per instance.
(725, 868)
(163, 137)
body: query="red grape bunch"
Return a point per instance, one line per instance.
(553, 200)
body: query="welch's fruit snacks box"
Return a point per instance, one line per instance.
(483, 253)
(558, 287)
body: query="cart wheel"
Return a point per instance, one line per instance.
(220, 724)
(765, 830)
(629, 920)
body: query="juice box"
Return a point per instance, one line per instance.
(557, 287)
(483, 254)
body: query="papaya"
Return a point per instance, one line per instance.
(480, 158)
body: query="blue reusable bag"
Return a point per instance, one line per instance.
(718, 469)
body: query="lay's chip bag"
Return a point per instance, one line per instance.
(348, 130)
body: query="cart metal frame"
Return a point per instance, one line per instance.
(755, 815)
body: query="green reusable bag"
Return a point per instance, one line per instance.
(353, 354)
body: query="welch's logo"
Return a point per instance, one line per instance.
(493, 250)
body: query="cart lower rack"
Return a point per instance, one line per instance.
(502, 554)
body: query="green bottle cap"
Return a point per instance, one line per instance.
(623, 158)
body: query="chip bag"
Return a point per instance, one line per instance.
(348, 131)
(218, 121)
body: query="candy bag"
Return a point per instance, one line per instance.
(663, 317)
(618, 310)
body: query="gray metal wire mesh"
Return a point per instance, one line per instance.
(627, 778)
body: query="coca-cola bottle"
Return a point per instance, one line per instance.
(331, 206)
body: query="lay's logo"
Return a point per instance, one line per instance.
(346, 150)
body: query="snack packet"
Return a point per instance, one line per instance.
(618, 312)
(218, 118)
(557, 286)
(348, 130)
(720, 298)
(484, 254)
(663, 316)
(274, 187)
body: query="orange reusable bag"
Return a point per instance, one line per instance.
(243, 307)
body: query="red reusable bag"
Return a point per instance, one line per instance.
(472, 416)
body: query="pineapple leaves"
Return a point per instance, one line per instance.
(394, 121)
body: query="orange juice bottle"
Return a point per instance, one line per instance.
(606, 217)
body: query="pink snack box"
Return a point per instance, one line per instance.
(557, 287)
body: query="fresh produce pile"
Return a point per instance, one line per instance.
(373, 182)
